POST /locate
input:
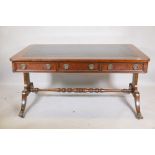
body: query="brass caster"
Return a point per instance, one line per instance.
(139, 116)
(21, 114)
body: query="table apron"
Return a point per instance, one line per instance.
(80, 67)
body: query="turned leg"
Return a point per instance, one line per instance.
(27, 89)
(136, 95)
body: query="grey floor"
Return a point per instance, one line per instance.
(53, 110)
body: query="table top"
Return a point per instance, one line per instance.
(98, 52)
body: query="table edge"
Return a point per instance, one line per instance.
(19, 56)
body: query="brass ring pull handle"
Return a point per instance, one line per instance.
(48, 66)
(66, 66)
(110, 67)
(22, 66)
(135, 67)
(91, 66)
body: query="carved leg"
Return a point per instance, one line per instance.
(27, 89)
(136, 94)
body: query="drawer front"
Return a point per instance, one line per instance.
(79, 67)
(35, 66)
(122, 67)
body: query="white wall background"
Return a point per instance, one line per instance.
(13, 39)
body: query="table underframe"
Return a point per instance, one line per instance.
(133, 89)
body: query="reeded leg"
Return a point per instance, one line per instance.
(136, 95)
(27, 89)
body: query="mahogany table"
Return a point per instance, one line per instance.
(80, 58)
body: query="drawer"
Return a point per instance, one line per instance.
(122, 67)
(35, 66)
(79, 67)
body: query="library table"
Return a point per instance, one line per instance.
(80, 58)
